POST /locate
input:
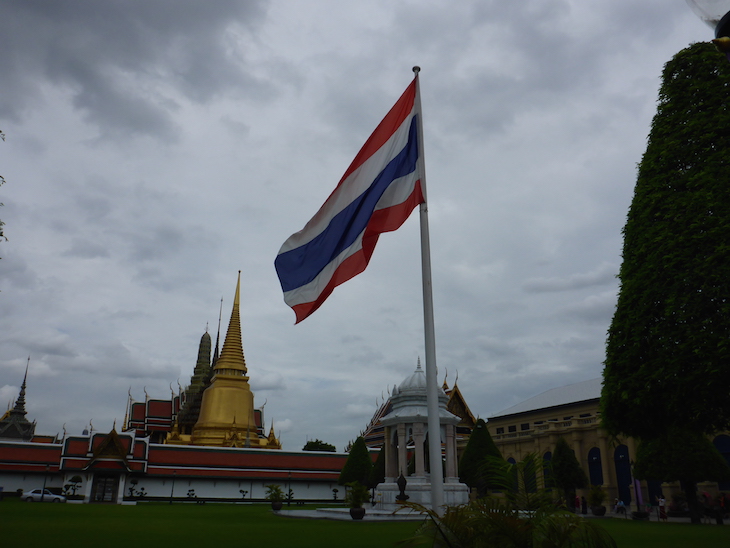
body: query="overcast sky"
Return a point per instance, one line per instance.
(153, 149)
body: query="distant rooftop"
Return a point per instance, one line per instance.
(580, 391)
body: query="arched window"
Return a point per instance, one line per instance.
(546, 470)
(722, 444)
(595, 471)
(623, 473)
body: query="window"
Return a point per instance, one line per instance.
(512, 428)
(500, 430)
(525, 426)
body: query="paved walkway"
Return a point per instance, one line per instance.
(654, 518)
(374, 514)
(344, 514)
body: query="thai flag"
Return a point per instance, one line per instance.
(376, 194)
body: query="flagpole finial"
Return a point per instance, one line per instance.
(416, 69)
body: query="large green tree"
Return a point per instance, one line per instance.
(501, 521)
(566, 472)
(319, 445)
(377, 473)
(358, 464)
(474, 465)
(668, 348)
(681, 455)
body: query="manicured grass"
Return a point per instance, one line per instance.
(190, 525)
(641, 534)
(182, 525)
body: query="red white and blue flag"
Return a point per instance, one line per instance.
(376, 194)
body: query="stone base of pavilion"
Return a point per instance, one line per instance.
(418, 489)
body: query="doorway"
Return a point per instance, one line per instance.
(105, 488)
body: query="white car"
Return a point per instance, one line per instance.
(42, 495)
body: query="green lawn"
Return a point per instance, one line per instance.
(642, 534)
(183, 525)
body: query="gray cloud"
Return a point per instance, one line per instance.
(107, 55)
(154, 149)
(603, 274)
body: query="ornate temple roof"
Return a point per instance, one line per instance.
(13, 424)
(414, 383)
(409, 401)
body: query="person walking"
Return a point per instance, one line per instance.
(662, 503)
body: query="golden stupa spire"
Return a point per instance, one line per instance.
(226, 409)
(231, 358)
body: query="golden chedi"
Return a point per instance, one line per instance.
(226, 411)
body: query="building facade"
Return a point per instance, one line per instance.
(119, 467)
(572, 412)
(206, 442)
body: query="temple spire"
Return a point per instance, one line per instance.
(13, 423)
(227, 405)
(231, 357)
(20, 402)
(218, 337)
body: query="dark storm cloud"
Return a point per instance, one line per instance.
(124, 62)
(594, 309)
(86, 249)
(604, 274)
(156, 243)
(17, 274)
(535, 113)
(51, 347)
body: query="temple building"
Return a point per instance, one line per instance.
(206, 442)
(222, 414)
(405, 445)
(13, 424)
(374, 433)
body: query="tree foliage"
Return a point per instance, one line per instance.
(567, 474)
(668, 346)
(522, 483)
(358, 464)
(681, 455)
(318, 445)
(472, 469)
(526, 517)
(377, 473)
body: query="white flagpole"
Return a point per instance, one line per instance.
(432, 403)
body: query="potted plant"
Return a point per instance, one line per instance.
(640, 515)
(275, 495)
(678, 506)
(357, 495)
(596, 498)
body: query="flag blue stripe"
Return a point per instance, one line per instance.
(300, 266)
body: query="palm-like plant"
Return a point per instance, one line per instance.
(523, 516)
(522, 483)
